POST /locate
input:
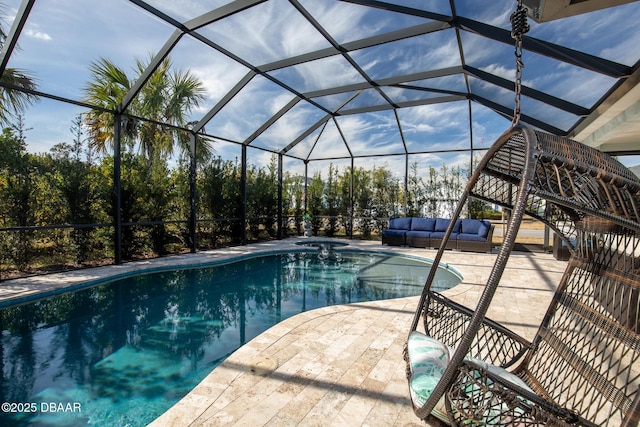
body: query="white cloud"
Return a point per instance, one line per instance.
(267, 32)
(186, 9)
(433, 118)
(287, 128)
(218, 78)
(276, 103)
(373, 133)
(342, 20)
(501, 71)
(303, 147)
(485, 13)
(330, 144)
(30, 32)
(325, 73)
(441, 52)
(609, 32)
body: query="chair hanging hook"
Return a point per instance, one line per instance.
(519, 23)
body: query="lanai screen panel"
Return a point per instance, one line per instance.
(218, 72)
(340, 61)
(242, 115)
(426, 52)
(370, 134)
(348, 22)
(289, 126)
(486, 126)
(436, 127)
(329, 143)
(62, 38)
(265, 33)
(319, 74)
(187, 10)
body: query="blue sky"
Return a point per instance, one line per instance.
(62, 37)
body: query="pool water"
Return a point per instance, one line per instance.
(123, 352)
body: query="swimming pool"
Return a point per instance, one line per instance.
(125, 351)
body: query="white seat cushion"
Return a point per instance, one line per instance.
(428, 358)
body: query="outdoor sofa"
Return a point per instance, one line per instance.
(468, 234)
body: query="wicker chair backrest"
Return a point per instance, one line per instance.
(585, 355)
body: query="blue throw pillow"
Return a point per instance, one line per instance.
(471, 226)
(423, 224)
(441, 224)
(400, 223)
(483, 229)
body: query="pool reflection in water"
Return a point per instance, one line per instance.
(127, 350)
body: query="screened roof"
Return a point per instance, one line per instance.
(328, 79)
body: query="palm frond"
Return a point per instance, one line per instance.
(14, 102)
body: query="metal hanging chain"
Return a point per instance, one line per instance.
(519, 27)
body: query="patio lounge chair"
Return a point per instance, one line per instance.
(582, 366)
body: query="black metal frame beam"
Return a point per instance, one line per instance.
(272, 120)
(344, 140)
(117, 188)
(551, 100)
(405, 104)
(338, 47)
(160, 15)
(389, 81)
(193, 192)
(243, 193)
(550, 50)
(221, 12)
(280, 224)
(507, 113)
(389, 37)
(401, 9)
(306, 133)
(151, 68)
(412, 153)
(224, 101)
(11, 40)
(315, 143)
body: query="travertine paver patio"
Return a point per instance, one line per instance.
(339, 365)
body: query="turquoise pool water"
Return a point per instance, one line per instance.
(123, 352)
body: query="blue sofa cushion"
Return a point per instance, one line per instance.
(400, 223)
(395, 233)
(423, 224)
(470, 226)
(443, 223)
(440, 235)
(418, 233)
(484, 228)
(475, 226)
(471, 237)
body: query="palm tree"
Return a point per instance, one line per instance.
(166, 98)
(13, 101)
(109, 86)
